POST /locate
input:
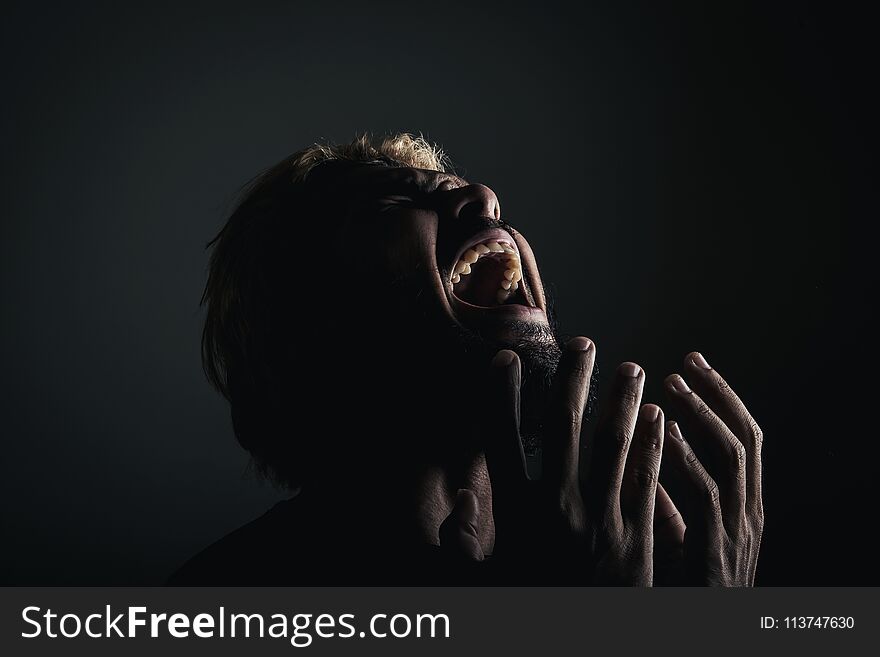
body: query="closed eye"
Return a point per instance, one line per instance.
(411, 191)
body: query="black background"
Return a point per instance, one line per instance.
(690, 177)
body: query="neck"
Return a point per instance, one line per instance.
(399, 455)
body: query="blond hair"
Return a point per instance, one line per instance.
(402, 149)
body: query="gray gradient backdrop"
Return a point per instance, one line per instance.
(689, 179)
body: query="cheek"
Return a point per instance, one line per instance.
(407, 244)
(389, 246)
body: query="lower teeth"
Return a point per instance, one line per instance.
(512, 273)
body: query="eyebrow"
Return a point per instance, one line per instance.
(385, 179)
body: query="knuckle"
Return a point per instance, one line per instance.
(759, 520)
(756, 513)
(621, 438)
(628, 397)
(581, 368)
(738, 455)
(571, 419)
(711, 495)
(619, 435)
(755, 433)
(651, 440)
(644, 477)
(702, 408)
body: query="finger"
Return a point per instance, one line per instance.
(612, 439)
(669, 531)
(703, 511)
(727, 406)
(725, 455)
(642, 470)
(458, 533)
(505, 458)
(571, 389)
(669, 526)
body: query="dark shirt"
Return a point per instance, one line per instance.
(283, 547)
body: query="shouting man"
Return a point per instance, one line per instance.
(390, 357)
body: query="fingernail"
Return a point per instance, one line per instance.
(579, 344)
(674, 431)
(700, 362)
(650, 413)
(629, 369)
(679, 385)
(503, 358)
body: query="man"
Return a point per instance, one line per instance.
(390, 356)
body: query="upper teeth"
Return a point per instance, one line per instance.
(512, 272)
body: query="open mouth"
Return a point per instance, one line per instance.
(488, 273)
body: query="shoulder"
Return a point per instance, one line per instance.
(256, 553)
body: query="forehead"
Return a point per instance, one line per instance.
(368, 176)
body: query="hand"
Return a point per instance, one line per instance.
(720, 475)
(540, 525)
(621, 486)
(545, 527)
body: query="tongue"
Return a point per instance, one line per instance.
(480, 287)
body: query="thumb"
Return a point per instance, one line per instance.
(458, 533)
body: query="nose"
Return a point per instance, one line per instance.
(474, 202)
